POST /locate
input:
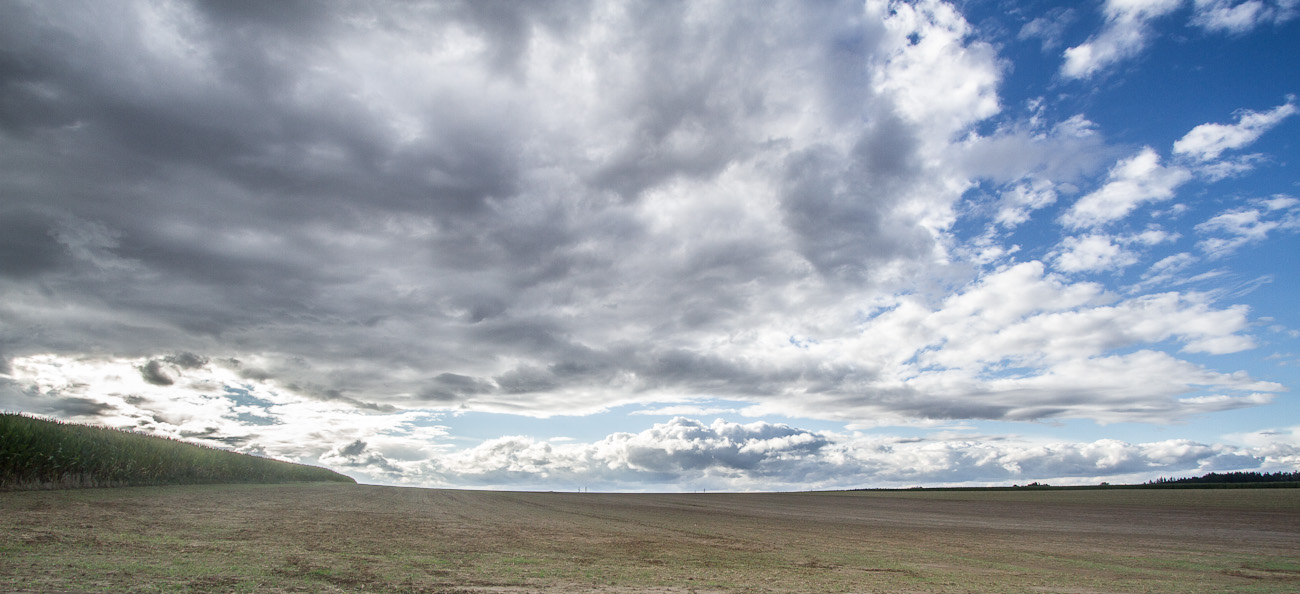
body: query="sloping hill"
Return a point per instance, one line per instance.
(44, 454)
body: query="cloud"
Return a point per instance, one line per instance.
(364, 209)
(1280, 446)
(1166, 270)
(213, 405)
(1097, 252)
(1230, 230)
(1092, 253)
(1021, 344)
(684, 454)
(1023, 199)
(355, 455)
(1128, 28)
(312, 230)
(1132, 182)
(1236, 16)
(1123, 36)
(1050, 28)
(1207, 141)
(933, 69)
(153, 373)
(681, 451)
(1065, 151)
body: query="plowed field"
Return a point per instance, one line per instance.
(349, 538)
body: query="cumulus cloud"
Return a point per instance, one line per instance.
(685, 454)
(357, 455)
(1022, 199)
(1128, 28)
(313, 229)
(436, 208)
(1123, 36)
(1240, 16)
(1132, 182)
(1207, 141)
(1092, 253)
(211, 404)
(1228, 231)
(1098, 252)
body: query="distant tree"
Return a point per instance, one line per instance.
(1230, 478)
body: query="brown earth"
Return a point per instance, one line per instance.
(349, 538)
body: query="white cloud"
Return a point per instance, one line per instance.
(1279, 446)
(1022, 344)
(1123, 36)
(1207, 141)
(1229, 167)
(207, 404)
(1127, 28)
(685, 454)
(1017, 203)
(1241, 16)
(1092, 253)
(936, 74)
(1131, 183)
(1239, 227)
(1166, 271)
(211, 403)
(1098, 252)
(684, 410)
(1050, 28)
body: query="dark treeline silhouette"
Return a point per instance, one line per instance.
(1230, 478)
(1213, 480)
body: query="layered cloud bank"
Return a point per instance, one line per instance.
(321, 231)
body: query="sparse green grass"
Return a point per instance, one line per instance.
(348, 538)
(44, 454)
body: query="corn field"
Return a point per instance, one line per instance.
(45, 454)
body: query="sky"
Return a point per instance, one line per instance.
(661, 246)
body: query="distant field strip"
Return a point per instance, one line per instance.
(350, 538)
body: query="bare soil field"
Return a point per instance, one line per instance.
(357, 538)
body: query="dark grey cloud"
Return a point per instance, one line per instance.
(221, 174)
(154, 373)
(357, 454)
(187, 360)
(325, 394)
(163, 372)
(28, 246)
(18, 397)
(76, 407)
(453, 387)
(840, 205)
(535, 207)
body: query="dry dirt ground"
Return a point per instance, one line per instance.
(349, 538)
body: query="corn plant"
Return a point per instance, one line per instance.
(41, 454)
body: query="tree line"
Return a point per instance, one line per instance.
(1215, 478)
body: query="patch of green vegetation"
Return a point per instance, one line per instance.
(45, 454)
